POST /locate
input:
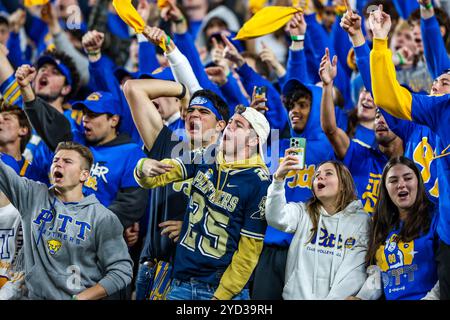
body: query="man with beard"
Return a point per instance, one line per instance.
(365, 164)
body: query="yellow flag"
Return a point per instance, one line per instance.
(31, 3)
(266, 21)
(129, 15)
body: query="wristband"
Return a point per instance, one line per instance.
(93, 53)
(141, 165)
(183, 92)
(400, 57)
(167, 41)
(428, 6)
(298, 38)
(181, 20)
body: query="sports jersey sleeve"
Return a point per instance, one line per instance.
(182, 170)
(387, 92)
(239, 271)
(428, 110)
(20, 191)
(10, 91)
(250, 245)
(279, 214)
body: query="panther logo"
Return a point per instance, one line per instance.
(54, 246)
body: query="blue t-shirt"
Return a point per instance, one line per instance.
(366, 166)
(409, 269)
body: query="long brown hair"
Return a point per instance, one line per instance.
(347, 194)
(387, 216)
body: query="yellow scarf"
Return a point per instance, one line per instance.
(254, 162)
(266, 21)
(31, 3)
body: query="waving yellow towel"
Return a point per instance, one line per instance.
(266, 21)
(31, 3)
(131, 17)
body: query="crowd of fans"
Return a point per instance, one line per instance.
(149, 150)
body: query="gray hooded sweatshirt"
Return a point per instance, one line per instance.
(68, 247)
(333, 266)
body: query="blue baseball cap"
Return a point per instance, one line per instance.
(160, 74)
(99, 102)
(65, 71)
(121, 73)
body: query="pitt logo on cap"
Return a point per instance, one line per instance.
(94, 96)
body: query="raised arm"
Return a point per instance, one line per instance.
(436, 54)
(139, 94)
(51, 125)
(387, 92)
(337, 137)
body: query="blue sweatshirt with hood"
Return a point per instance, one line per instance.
(298, 183)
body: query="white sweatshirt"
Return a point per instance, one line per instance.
(320, 270)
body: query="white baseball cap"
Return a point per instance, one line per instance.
(259, 123)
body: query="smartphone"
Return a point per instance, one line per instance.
(299, 144)
(260, 92)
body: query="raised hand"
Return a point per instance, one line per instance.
(171, 12)
(351, 23)
(380, 23)
(17, 20)
(403, 57)
(297, 26)
(260, 104)
(154, 35)
(25, 74)
(290, 162)
(92, 41)
(231, 53)
(217, 75)
(328, 69)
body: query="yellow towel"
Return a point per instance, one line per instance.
(256, 5)
(266, 21)
(162, 3)
(31, 3)
(131, 17)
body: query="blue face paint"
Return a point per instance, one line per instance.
(205, 103)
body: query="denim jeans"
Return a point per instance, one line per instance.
(196, 290)
(144, 280)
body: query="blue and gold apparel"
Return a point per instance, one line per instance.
(408, 269)
(166, 203)
(227, 202)
(366, 166)
(112, 170)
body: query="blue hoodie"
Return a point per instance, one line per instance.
(419, 142)
(298, 183)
